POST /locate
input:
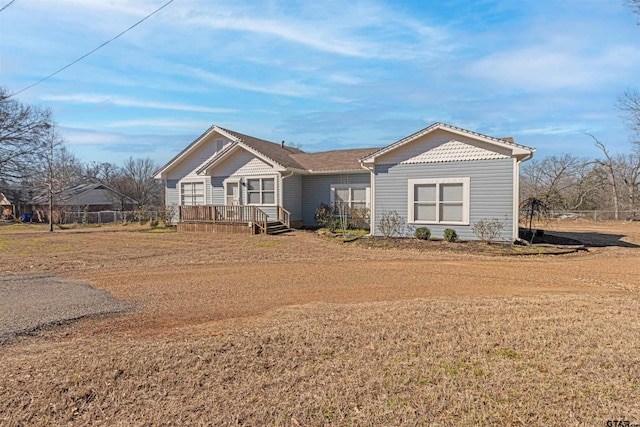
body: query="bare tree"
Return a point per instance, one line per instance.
(629, 169)
(138, 183)
(629, 106)
(24, 130)
(634, 5)
(561, 182)
(609, 172)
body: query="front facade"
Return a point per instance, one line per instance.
(440, 177)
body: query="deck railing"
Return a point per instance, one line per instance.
(284, 216)
(225, 214)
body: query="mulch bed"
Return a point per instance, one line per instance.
(545, 245)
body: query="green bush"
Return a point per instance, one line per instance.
(423, 233)
(450, 235)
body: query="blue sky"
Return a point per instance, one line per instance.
(323, 74)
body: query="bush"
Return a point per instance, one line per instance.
(423, 233)
(488, 229)
(359, 218)
(390, 224)
(325, 216)
(450, 235)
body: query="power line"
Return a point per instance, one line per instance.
(7, 5)
(94, 50)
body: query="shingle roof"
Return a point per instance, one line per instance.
(72, 191)
(335, 160)
(276, 152)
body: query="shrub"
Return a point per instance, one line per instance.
(169, 213)
(359, 218)
(423, 233)
(325, 215)
(488, 229)
(390, 224)
(450, 235)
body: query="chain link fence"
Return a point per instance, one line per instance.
(597, 215)
(109, 217)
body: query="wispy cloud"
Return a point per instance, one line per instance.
(362, 29)
(555, 65)
(285, 88)
(129, 102)
(160, 123)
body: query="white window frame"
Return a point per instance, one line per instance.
(245, 186)
(351, 187)
(466, 186)
(236, 181)
(193, 181)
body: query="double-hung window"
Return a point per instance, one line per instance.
(192, 193)
(261, 191)
(345, 197)
(439, 201)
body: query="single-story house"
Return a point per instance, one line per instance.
(7, 207)
(440, 177)
(79, 198)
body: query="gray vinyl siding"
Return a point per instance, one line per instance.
(217, 191)
(292, 196)
(316, 189)
(491, 192)
(171, 196)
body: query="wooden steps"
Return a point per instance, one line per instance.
(277, 227)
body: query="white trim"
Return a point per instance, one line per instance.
(466, 191)
(516, 149)
(230, 150)
(236, 181)
(516, 198)
(365, 187)
(276, 193)
(281, 195)
(193, 181)
(161, 173)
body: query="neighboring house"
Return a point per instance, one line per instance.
(89, 197)
(7, 208)
(440, 177)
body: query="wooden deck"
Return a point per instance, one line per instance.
(236, 219)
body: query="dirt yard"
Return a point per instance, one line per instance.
(298, 330)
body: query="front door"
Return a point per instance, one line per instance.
(233, 194)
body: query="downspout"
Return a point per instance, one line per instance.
(282, 178)
(516, 195)
(372, 198)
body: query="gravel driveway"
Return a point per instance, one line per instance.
(28, 303)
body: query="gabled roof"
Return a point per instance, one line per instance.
(4, 200)
(72, 191)
(277, 154)
(516, 149)
(332, 161)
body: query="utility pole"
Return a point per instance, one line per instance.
(50, 175)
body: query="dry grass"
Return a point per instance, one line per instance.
(295, 330)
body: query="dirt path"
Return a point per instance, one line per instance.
(177, 280)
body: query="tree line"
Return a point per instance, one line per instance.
(610, 182)
(34, 160)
